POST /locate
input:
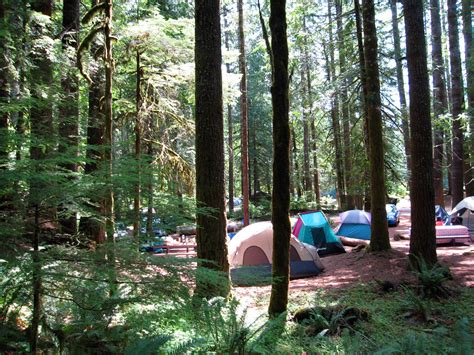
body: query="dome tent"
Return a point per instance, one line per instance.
(464, 213)
(355, 224)
(251, 252)
(313, 228)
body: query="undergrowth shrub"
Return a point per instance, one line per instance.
(456, 341)
(432, 278)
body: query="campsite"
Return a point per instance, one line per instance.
(236, 177)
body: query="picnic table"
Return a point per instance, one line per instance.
(175, 250)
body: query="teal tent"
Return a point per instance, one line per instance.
(313, 228)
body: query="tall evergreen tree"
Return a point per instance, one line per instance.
(336, 126)
(281, 162)
(469, 49)
(423, 239)
(379, 229)
(440, 100)
(244, 125)
(68, 129)
(210, 184)
(457, 105)
(41, 127)
(401, 84)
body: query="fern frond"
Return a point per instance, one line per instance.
(147, 345)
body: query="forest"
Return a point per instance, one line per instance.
(261, 176)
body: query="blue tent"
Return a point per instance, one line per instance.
(313, 228)
(355, 224)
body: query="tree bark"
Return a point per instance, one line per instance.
(306, 130)
(401, 86)
(344, 106)
(467, 32)
(423, 238)
(68, 128)
(108, 136)
(138, 147)
(5, 197)
(379, 239)
(4, 89)
(230, 128)
(440, 101)
(41, 127)
(457, 102)
(363, 98)
(281, 164)
(244, 125)
(210, 184)
(331, 75)
(90, 226)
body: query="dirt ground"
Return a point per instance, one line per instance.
(345, 270)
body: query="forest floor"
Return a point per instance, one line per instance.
(353, 268)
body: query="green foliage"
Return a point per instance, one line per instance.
(431, 278)
(458, 340)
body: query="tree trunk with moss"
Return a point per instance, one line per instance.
(68, 128)
(210, 184)
(91, 226)
(41, 128)
(281, 163)
(379, 239)
(423, 238)
(4, 100)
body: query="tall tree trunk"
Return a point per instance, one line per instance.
(138, 147)
(41, 127)
(108, 201)
(91, 226)
(457, 102)
(108, 137)
(244, 126)
(230, 128)
(296, 166)
(331, 75)
(210, 184)
(256, 177)
(401, 85)
(363, 98)
(4, 100)
(149, 216)
(305, 118)
(379, 239)
(281, 164)
(69, 107)
(467, 32)
(312, 119)
(314, 137)
(440, 100)
(344, 105)
(423, 238)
